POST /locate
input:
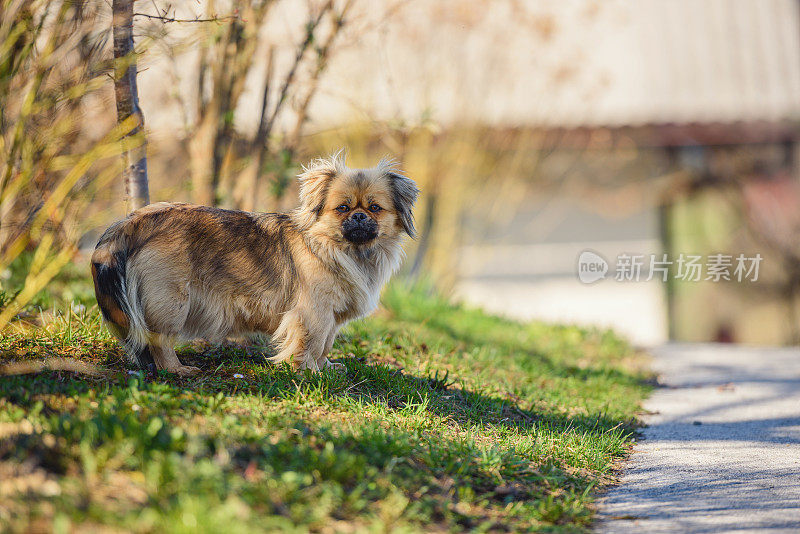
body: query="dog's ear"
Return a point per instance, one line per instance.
(314, 183)
(404, 194)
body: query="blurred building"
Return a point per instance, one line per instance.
(706, 88)
(698, 91)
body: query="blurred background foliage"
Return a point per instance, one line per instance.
(52, 66)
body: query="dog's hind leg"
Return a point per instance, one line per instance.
(164, 297)
(145, 359)
(165, 358)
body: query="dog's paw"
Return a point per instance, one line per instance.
(319, 366)
(185, 370)
(339, 367)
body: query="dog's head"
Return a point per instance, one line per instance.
(356, 207)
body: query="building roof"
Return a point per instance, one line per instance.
(538, 63)
(575, 63)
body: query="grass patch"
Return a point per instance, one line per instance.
(446, 419)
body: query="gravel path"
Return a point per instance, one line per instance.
(722, 449)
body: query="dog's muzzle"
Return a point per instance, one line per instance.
(359, 228)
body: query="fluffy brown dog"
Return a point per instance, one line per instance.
(179, 271)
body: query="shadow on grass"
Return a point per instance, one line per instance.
(439, 393)
(235, 372)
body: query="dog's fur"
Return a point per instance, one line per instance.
(179, 271)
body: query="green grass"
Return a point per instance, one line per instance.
(446, 419)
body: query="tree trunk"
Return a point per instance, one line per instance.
(201, 152)
(127, 96)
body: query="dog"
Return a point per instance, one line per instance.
(174, 271)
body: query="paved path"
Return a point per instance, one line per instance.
(722, 449)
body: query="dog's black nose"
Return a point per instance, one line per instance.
(359, 216)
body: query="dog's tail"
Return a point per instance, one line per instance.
(115, 286)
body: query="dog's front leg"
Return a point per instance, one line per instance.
(323, 362)
(304, 336)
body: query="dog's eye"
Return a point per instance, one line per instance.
(343, 208)
(374, 208)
